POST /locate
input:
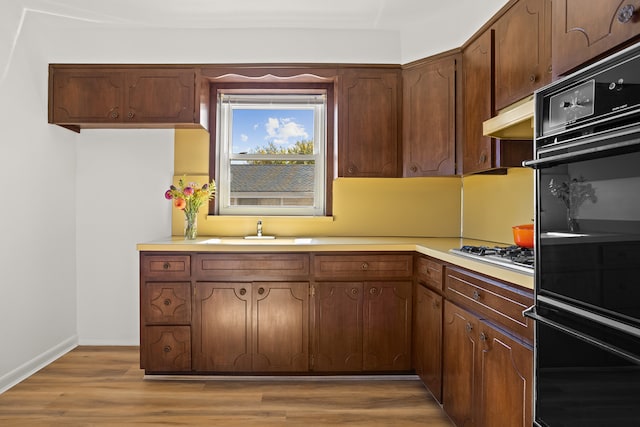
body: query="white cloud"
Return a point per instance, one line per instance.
(281, 131)
(244, 137)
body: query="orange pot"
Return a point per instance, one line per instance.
(523, 235)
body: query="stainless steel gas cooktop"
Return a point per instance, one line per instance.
(511, 257)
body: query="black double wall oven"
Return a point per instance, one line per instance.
(587, 265)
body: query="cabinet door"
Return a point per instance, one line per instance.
(477, 65)
(160, 96)
(167, 348)
(281, 326)
(458, 364)
(368, 126)
(86, 95)
(168, 303)
(505, 380)
(338, 327)
(222, 324)
(387, 326)
(427, 343)
(582, 32)
(429, 118)
(523, 51)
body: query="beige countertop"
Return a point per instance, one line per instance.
(436, 247)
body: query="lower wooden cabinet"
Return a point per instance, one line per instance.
(167, 349)
(362, 326)
(487, 375)
(427, 339)
(251, 327)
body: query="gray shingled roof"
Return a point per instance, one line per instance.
(272, 178)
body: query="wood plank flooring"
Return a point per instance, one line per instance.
(103, 386)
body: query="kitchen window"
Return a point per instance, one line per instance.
(271, 152)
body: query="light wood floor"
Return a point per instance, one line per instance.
(103, 386)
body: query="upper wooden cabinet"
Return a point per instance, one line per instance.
(522, 51)
(429, 117)
(369, 122)
(477, 105)
(582, 32)
(116, 96)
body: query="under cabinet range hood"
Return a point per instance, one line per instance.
(512, 122)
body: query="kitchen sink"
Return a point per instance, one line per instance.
(258, 241)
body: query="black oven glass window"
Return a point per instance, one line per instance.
(589, 220)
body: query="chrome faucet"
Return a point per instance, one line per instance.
(259, 228)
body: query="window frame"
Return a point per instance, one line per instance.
(258, 87)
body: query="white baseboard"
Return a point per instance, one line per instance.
(34, 365)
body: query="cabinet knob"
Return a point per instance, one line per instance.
(483, 158)
(469, 327)
(166, 265)
(131, 114)
(114, 114)
(354, 291)
(351, 170)
(364, 266)
(373, 291)
(532, 78)
(243, 291)
(625, 14)
(166, 348)
(435, 304)
(483, 337)
(261, 291)
(476, 295)
(413, 168)
(167, 301)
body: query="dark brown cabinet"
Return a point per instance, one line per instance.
(362, 325)
(583, 32)
(429, 117)
(251, 327)
(165, 313)
(427, 339)
(487, 353)
(477, 60)
(522, 51)
(112, 96)
(369, 122)
(487, 376)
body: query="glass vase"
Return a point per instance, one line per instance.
(190, 225)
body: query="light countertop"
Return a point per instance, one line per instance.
(436, 247)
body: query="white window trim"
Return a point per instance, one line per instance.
(224, 154)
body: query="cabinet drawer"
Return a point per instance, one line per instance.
(494, 301)
(167, 348)
(165, 267)
(429, 272)
(251, 266)
(168, 303)
(363, 266)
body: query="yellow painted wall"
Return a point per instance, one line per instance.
(492, 204)
(424, 207)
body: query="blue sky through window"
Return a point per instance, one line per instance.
(253, 128)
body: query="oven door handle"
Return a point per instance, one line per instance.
(533, 314)
(586, 154)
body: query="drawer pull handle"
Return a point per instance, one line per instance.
(626, 13)
(243, 291)
(476, 295)
(261, 291)
(167, 348)
(483, 337)
(167, 301)
(166, 265)
(373, 291)
(469, 327)
(364, 266)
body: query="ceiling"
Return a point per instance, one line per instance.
(393, 15)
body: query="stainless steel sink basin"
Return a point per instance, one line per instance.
(264, 240)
